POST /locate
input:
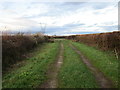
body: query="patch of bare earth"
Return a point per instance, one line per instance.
(103, 81)
(52, 73)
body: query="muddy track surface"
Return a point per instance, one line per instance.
(103, 81)
(52, 73)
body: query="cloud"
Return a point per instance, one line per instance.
(60, 17)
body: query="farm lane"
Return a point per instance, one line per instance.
(52, 73)
(63, 64)
(103, 81)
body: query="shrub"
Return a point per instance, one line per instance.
(105, 41)
(15, 46)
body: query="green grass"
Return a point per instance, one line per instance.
(32, 74)
(74, 73)
(105, 62)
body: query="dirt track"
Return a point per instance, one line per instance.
(52, 81)
(103, 81)
(52, 73)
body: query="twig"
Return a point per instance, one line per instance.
(116, 53)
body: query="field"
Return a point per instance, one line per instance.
(38, 61)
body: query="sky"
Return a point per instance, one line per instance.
(59, 18)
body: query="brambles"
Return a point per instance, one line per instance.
(105, 41)
(15, 46)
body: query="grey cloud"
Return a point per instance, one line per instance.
(73, 25)
(110, 28)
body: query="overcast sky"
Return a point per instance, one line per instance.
(60, 18)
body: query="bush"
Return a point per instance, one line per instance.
(105, 41)
(14, 47)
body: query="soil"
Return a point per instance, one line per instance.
(52, 73)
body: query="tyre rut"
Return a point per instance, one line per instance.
(103, 81)
(52, 73)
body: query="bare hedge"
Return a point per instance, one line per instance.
(105, 41)
(14, 47)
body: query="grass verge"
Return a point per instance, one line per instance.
(32, 74)
(73, 73)
(105, 62)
